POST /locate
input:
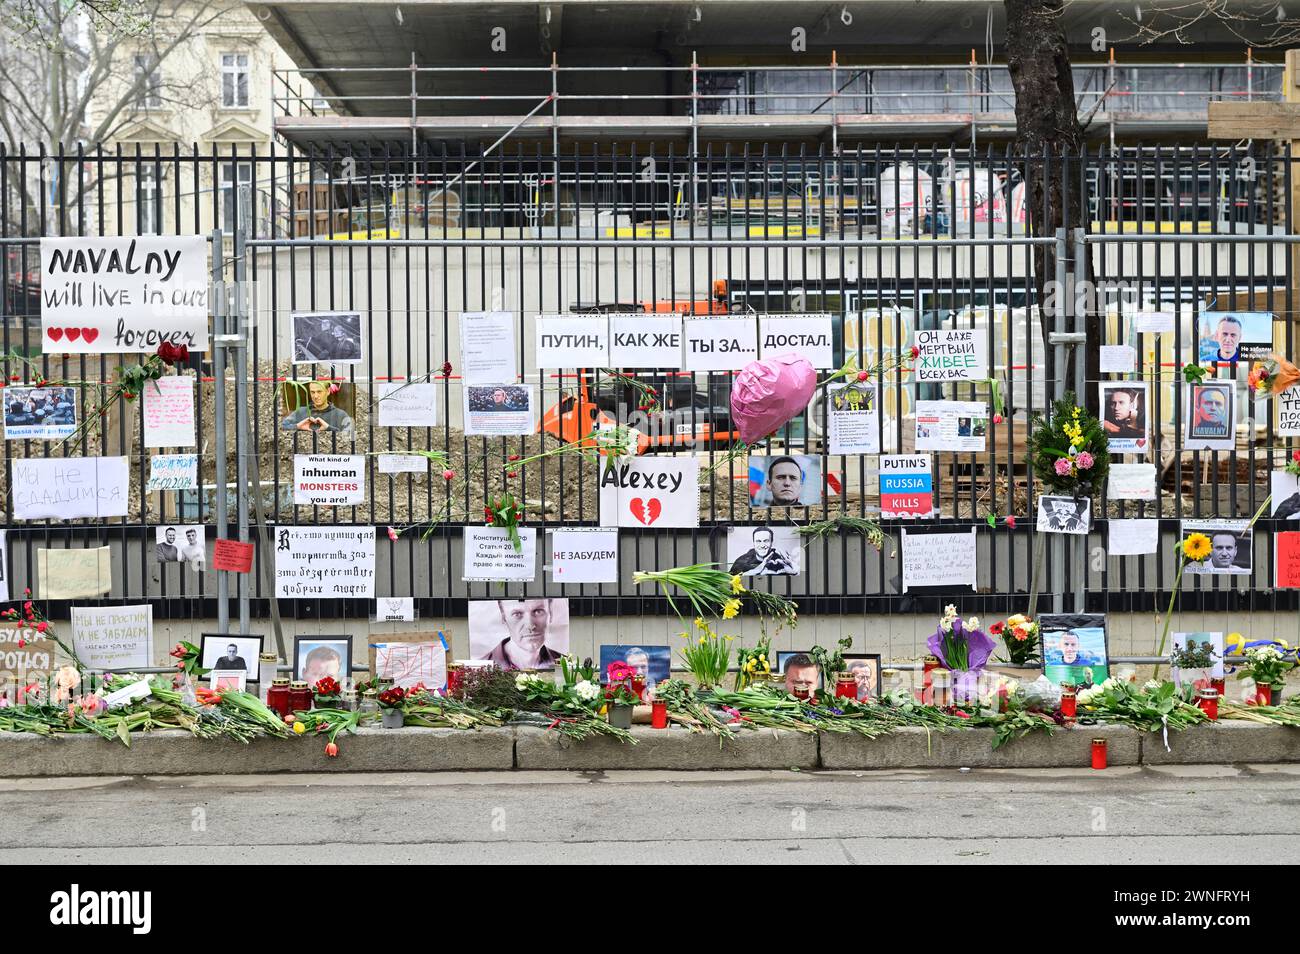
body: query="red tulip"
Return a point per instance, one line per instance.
(331, 750)
(1011, 521)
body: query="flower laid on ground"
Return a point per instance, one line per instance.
(960, 645)
(712, 592)
(1019, 633)
(327, 692)
(586, 690)
(187, 659)
(1069, 452)
(753, 664)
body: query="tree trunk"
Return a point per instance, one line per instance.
(1049, 139)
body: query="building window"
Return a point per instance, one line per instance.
(149, 200)
(234, 80)
(149, 77)
(236, 188)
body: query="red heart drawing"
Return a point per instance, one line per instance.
(74, 334)
(55, 333)
(647, 511)
(90, 334)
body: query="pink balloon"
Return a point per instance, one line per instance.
(768, 393)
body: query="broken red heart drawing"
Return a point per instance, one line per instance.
(647, 511)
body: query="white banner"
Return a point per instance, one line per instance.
(651, 492)
(584, 555)
(940, 559)
(809, 336)
(114, 638)
(645, 341)
(65, 488)
(719, 344)
(324, 562)
(407, 405)
(168, 411)
(959, 354)
(329, 480)
(490, 556)
(567, 342)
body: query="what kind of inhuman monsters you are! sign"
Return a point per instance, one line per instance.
(130, 294)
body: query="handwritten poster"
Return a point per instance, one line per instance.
(951, 425)
(940, 559)
(587, 555)
(906, 486)
(651, 492)
(1288, 412)
(1131, 482)
(21, 665)
(73, 574)
(173, 472)
(719, 344)
(111, 295)
(168, 411)
(407, 405)
(410, 664)
(488, 353)
(1153, 322)
(66, 488)
(853, 418)
(326, 562)
(567, 342)
(809, 336)
(113, 637)
(1132, 537)
(958, 354)
(1288, 559)
(645, 341)
(329, 480)
(1118, 359)
(232, 556)
(403, 464)
(489, 555)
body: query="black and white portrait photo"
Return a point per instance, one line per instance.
(40, 413)
(231, 652)
(326, 337)
(1064, 514)
(519, 634)
(763, 551)
(179, 544)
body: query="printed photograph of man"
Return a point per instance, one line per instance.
(652, 662)
(1211, 412)
(217, 652)
(802, 676)
(500, 398)
(319, 656)
(785, 481)
(1230, 552)
(1074, 648)
(866, 674)
(1224, 342)
(764, 551)
(327, 408)
(166, 551)
(519, 634)
(39, 413)
(1230, 337)
(192, 552)
(179, 545)
(1124, 417)
(328, 338)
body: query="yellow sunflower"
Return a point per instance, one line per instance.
(1196, 547)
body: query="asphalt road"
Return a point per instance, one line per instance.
(1234, 814)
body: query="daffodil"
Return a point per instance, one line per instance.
(736, 585)
(731, 609)
(1196, 547)
(700, 624)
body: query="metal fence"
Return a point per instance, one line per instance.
(887, 241)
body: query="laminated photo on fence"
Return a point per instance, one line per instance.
(46, 413)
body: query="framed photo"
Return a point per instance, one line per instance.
(764, 551)
(1064, 515)
(519, 634)
(180, 544)
(799, 670)
(785, 481)
(1231, 547)
(231, 653)
(325, 407)
(220, 679)
(326, 337)
(1124, 417)
(1211, 416)
(866, 672)
(1074, 648)
(653, 662)
(315, 657)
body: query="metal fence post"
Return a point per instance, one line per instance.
(243, 438)
(1062, 298)
(219, 424)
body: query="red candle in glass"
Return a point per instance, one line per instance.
(1263, 695)
(300, 697)
(1069, 703)
(846, 686)
(453, 680)
(1003, 699)
(277, 697)
(1218, 686)
(658, 715)
(638, 686)
(1208, 700)
(1099, 753)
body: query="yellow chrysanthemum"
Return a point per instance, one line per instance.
(1196, 547)
(736, 585)
(731, 609)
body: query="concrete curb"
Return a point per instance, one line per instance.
(973, 748)
(674, 749)
(24, 755)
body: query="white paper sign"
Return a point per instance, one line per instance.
(403, 464)
(128, 694)
(407, 405)
(809, 336)
(958, 354)
(1133, 537)
(324, 562)
(329, 480)
(487, 347)
(1153, 322)
(651, 492)
(112, 295)
(587, 555)
(940, 559)
(168, 411)
(395, 609)
(645, 341)
(951, 425)
(719, 344)
(1131, 482)
(499, 409)
(567, 342)
(114, 638)
(853, 418)
(65, 488)
(173, 472)
(412, 664)
(1288, 412)
(1118, 359)
(490, 556)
